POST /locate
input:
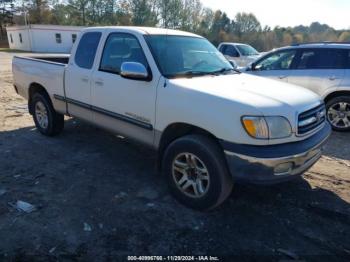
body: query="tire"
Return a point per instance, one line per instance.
(54, 123)
(336, 106)
(208, 156)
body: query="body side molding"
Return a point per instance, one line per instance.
(105, 112)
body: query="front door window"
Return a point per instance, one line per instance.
(277, 61)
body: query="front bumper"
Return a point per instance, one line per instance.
(274, 163)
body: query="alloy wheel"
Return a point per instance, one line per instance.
(41, 115)
(339, 115)
(190, 175)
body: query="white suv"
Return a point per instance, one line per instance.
(321, 67)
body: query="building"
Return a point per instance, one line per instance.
(43, 38)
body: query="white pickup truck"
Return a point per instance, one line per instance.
(175, 92)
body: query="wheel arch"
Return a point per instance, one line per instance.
(33, 89)
(336, 94)
(177, 130)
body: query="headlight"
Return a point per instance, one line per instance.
(270, 127)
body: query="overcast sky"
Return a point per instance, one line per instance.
(289, 13)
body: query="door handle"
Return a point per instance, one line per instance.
(85, 79)
(99, 83)
(332, 78)
(282, 77)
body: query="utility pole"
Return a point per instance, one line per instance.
(25, 14)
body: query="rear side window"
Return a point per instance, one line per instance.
(86, 50)
(323, 59)
(306, 58)
(120, 48)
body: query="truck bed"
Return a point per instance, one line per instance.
(41, 70)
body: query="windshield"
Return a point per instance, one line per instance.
(247, 50)
(179, 56)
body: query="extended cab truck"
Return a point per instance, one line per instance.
(175, 92)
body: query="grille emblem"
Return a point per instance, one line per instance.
(311, 119)
(319, 116)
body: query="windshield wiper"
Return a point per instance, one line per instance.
(223, 70)
(190, 73)
(193, 73)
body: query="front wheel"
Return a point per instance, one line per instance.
(196, 172)
(338, 113)
(47, 120)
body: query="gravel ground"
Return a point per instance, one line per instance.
(99, 197)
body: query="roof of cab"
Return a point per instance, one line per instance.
(144, 30)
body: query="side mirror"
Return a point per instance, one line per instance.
(256, 67)
(233, 63)
(135, 71)
(250, 67)
(253, 67)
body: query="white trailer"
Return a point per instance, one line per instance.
(43, 38)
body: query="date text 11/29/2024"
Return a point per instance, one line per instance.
(173, 258)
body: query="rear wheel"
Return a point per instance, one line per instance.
(47, 120)
(196, 172)
(338, 113)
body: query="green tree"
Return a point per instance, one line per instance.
(221, 29)
(246, 24)
(7, 10)
(143, 12)
(170, 12)
(191, 15)
(77, 10)
(206, 22)
(317, 28)
(38, 12)
(61, 14)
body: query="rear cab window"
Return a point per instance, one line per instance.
(86, 50)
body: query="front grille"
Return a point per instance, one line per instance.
(311, 119)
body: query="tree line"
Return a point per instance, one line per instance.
(188, 15)
(7, 10)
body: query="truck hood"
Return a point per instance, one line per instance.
(269, 97)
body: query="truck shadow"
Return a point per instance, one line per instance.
(89, 177)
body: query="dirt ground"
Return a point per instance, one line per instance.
(99, 197)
